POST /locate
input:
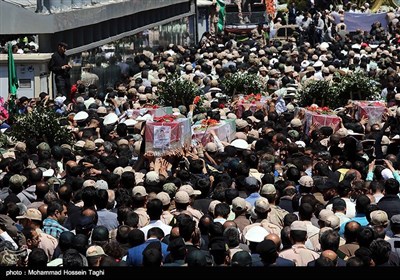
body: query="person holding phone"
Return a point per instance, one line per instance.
(388, 172)
(56, 186)
(371, 169)
(389, 165)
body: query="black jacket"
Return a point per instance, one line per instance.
(390, 204)
(56, 62)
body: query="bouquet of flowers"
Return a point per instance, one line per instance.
(320, 110)
(151, 106)
(199, 102)
(209, 122)
(205, 124)
(165, 118)
(271, 7)
(252, 98)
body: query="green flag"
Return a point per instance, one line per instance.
(12, 73)
(221, 15)
(12, 83)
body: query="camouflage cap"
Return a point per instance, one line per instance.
(43, 147)
(170, 189)
(20, 146)
(7, 258)
(17, 180)
(11, 258)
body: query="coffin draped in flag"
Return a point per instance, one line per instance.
(225, 130)
(320, 120)
(372, 109)
(167, 134)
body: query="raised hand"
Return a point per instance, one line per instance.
(364, 120)
(371, 166)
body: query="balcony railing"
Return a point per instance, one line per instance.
(236, 18)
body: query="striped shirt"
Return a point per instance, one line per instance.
(53, 228)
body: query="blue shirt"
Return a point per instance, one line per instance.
(107, 218)
(252, 198)
(135, 254)
(53, 228)
(359, 218)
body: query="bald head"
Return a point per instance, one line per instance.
(41, 189)
(71, 163)
(330, 255)
(204, 223)
(35, 175)
(353, 226)
(275, 238)
(356, 173)
(65, 193)
(351, 231)
(174, 233)
(88, 212)
(230, 224)
(43, 209)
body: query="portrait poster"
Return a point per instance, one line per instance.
(162, 137)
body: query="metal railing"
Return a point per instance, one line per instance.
(236, 18)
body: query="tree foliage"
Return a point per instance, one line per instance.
(175, 91)
(42, 124)
(242, 83)
(339, 90)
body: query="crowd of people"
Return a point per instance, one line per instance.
(275, 195)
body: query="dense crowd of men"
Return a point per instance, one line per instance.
(276, 194)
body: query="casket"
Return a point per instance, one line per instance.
(225, 130)
(320, 120)
(163, 137)
(372, 109)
